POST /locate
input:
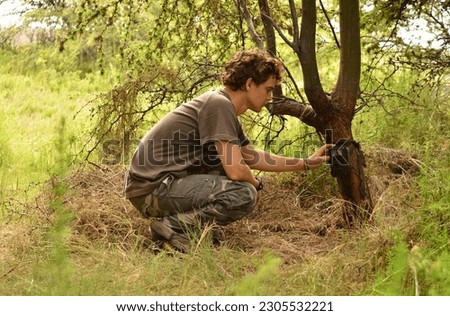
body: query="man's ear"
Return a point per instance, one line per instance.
(248, 83)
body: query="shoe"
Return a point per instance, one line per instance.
(166, 246)
(154, 247)
(168, 239)
(217, 236)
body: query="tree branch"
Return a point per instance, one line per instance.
(307, 54)
(280, 32)
(270, 36)
(331, 25)
(288, 106)
(294, 21)
(268, 28)
(242, 6)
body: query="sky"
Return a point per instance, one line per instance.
(6, 8)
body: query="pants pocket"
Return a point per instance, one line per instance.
(204, 193)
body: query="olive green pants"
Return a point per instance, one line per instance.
(197, 200)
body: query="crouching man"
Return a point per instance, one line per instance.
(193, 168)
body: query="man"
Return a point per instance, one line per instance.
(193, 168)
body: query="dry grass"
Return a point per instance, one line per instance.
(292, 219)
(96, 198)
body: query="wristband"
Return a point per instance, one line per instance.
(260, 184)
(305, 164)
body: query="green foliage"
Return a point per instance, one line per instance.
(409, 34)
(56, 272)
(438, 275)
(415, 264)
(416, 121)
(407, 115)
(394, 281)
(32, 98)
(434, 189)
(6, 155)
(432, 257)
(419, 271)
(260, 282)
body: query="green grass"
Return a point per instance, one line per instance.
(420, 250)
(32, 103)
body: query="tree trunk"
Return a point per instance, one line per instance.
(353, 185)
(348, 168)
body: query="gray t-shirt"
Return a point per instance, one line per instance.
(183, 142)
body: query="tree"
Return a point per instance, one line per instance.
(329, 113)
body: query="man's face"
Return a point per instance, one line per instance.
(259, 95)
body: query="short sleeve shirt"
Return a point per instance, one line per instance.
(183, 142)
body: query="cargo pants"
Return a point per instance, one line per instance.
(183, 204)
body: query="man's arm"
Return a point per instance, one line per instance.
(234, 163)
(265, 161)
(237, 161)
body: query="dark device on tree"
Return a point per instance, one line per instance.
(339, 158)
(339, 154)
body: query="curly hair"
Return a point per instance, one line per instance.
(258, 65)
